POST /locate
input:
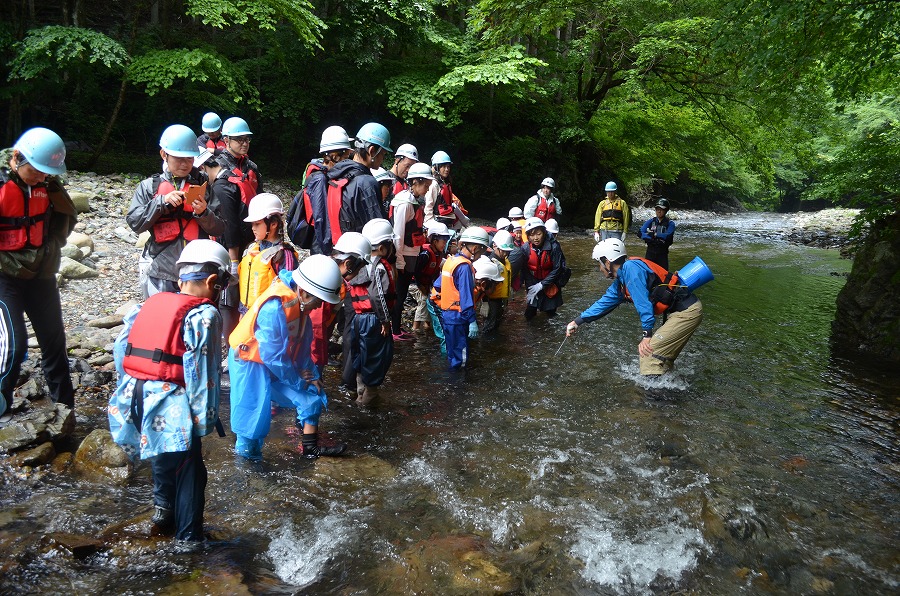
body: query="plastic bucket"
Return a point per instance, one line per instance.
(695, 274)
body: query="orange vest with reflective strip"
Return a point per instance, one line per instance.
(243, 339)
(449, 291)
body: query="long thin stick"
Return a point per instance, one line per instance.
(561, 345)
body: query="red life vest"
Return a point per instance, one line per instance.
(662, 288)
(432, 268)
(399, 186)
(412, 229)
(334, 201)
(247, 182)
(24, 220)
(445, 205)
(311, 169)
(217, 146)
(545, 209)
(156, 341)
(539, 265)
(178, 223)
(359, 294)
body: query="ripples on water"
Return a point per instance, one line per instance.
(763, 464)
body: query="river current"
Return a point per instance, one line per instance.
(766, 463)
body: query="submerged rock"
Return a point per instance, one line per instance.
(100, 459)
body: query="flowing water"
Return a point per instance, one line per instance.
(765, 464)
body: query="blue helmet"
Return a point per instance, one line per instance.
(611, 187)
(236, 127)
(440, 157)
(211, 122)
(376, 134)
(44, 150)
(179, 141)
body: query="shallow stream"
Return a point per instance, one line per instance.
(764, 464)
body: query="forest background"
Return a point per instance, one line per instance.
(770, 104)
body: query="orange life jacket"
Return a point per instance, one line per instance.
(449, 292)
(662, 289)
(359, 294)
(178, 223)
(155, 348)
(540, 266)
(334, 201)
(24, 220)
(545, 209)
(243, 340)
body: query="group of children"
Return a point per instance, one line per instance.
(201, 212)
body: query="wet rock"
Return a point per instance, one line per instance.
(40, 455)
(365, 468)
(106, 322)
(62, 462)
(80, 353)
(77, 546)
(100, 460)
(82, 200)
(72, 269)
(79, 365)
(30, 390)
(96, 378)
(42, 423)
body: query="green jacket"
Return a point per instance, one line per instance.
(41, 262)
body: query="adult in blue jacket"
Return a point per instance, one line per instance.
(643, 283)
(658, 232)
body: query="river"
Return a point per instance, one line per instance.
(765, 464)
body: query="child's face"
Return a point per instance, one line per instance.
(517, 234)
(439, 243)
(261, 231)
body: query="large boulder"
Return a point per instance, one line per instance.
(867, 322)
(42, 423)
(81, 200)
(99, 459)
(72, 269)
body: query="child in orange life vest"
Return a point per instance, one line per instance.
(270, 358)
(269, 253)
(161, 206)
(372, 294)
(457, 295)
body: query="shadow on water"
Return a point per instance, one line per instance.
(762, 464)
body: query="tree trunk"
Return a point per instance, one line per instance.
(109, 125)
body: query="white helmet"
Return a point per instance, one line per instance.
(352, 243)
(503, 223)
(201, 252)
(262, 206)
(548, 182)
(379, 230)
(205, 251)
(610, 249)
(319, 275)
(419, 170)
(382, 175)
(516, 213)
(438, 228)
(552, 226)
(485, 268)
(516, 224)
(504, 240)
(475, 235)
(407, 150)
(534, 222)
(334, 137)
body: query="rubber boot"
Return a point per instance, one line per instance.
(312, 449)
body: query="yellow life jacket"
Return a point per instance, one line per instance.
(257, 271)
(243, 338)
(501, 290)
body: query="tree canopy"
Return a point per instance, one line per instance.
(757, 102)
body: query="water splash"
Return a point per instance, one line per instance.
(301, 557)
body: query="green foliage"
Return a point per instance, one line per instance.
(265, 14)
(55, 48)
(161, 69)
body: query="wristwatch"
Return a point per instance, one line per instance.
(647, 334)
